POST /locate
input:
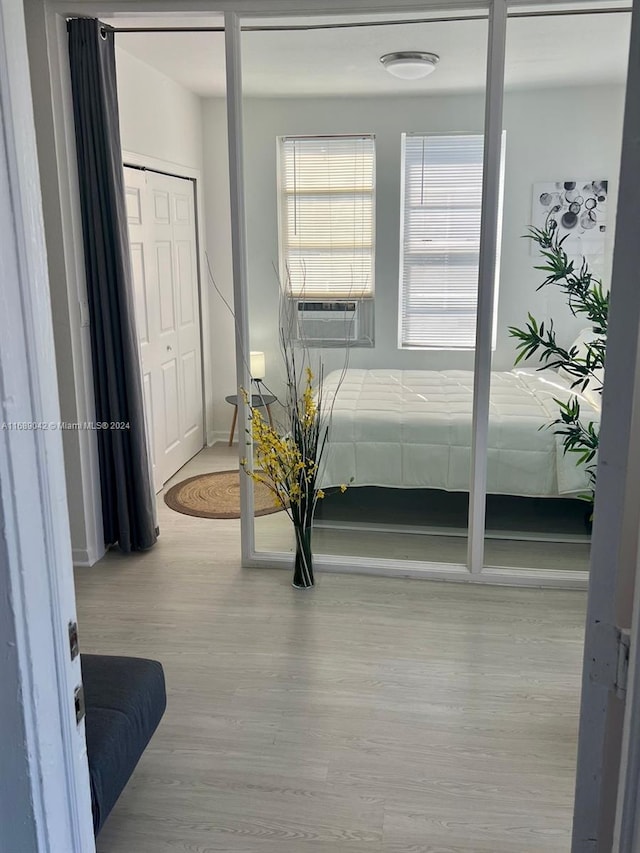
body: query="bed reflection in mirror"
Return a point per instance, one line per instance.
(402, 440)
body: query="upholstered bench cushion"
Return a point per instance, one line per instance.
(125, 699)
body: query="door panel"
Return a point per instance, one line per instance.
(188, 316)
(140, 287)
(145, 307)
(170, 405)
(185, 276)
(192, 393)
(164, 261)
(183, 206)
(161, 207)
(148, 405)
(134, 207)
(161, 218)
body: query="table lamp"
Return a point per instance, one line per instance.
(257, 368)
(257, 365)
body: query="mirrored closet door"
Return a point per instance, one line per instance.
(563, 133)
(363, 167)
(373, 195)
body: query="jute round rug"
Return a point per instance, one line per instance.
(217, 495)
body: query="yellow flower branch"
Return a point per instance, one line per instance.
(288, 464)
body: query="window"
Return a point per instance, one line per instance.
(440, 239)
(327, 187)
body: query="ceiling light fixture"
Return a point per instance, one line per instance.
(410, 64)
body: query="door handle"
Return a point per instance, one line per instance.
(169, 348)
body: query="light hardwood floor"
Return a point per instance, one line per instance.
(370, 714)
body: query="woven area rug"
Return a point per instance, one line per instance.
(217, 495)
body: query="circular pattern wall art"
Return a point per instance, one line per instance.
(577, 209)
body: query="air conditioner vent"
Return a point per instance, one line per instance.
(328, 322)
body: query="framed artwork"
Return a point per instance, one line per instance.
(578, 209)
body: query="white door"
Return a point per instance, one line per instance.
(162, 233)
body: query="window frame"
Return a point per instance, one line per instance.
(403, 189)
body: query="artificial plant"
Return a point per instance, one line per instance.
(288, 457)
(586, 298)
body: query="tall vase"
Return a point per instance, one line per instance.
(303, 569)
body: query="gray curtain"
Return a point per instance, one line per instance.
(128, 502)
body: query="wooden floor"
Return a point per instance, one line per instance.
(370, 714)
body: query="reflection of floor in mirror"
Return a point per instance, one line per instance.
(273, 532)
(418, 524)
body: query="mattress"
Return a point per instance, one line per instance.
(412, 429)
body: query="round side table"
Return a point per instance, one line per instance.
(258, 401)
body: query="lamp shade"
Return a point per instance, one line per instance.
(257, 365)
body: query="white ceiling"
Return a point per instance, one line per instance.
(552, 51)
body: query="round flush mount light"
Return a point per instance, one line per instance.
(410, 64)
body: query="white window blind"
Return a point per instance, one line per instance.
(440, 239)
(327, 186)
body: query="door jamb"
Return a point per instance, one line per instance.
(617, 508)
(45, 798)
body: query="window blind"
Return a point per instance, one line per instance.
(440, 239)
(327, 186)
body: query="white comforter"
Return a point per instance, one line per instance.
(412, 429)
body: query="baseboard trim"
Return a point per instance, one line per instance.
(217, 435)
(81, 557)
(84, 558)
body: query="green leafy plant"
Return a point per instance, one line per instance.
(586, 298)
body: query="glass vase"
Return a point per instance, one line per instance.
(303, 569)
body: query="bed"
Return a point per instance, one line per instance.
(412, 429)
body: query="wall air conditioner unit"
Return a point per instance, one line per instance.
(327, 322)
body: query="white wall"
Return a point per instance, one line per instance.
(158, 117)
(218, 240)
(551, 135)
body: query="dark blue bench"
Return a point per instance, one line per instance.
(125, 699)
